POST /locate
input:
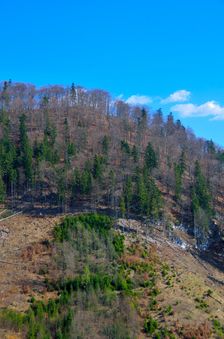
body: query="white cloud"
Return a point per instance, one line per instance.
(178, 96)
(210, 108)
(120, 97)
(139, 100)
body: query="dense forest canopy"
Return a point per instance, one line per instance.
(62, 145)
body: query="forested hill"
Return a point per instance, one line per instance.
(68, 146)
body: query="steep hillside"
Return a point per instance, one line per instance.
(150, 264)
(79, 278)
(64, 148)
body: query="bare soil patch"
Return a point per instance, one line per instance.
(24, 252)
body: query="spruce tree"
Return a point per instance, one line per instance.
(82, 182)
(8, 158)
(135, 154)
(141, 195)
(49, 152)
(150, 158)
(201, 206)
(105, 145)
(201, 194)
(154, 199)
(2, 189)
(122, 207)
(125, 147)
(98, 166)
(182, 162)
(148, 199)
(73, 93)
(26, 152)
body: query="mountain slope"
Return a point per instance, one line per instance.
(155, 280)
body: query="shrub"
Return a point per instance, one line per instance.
(201, 304)
(169, 310)
(219, 329)
(164, 333)
(118, 243)
(154, 292)
(99, 222)
(152, 305)
(150, 325)
(12, 319)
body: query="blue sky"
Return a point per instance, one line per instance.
(151, 48)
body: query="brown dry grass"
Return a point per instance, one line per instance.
(23, 254)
